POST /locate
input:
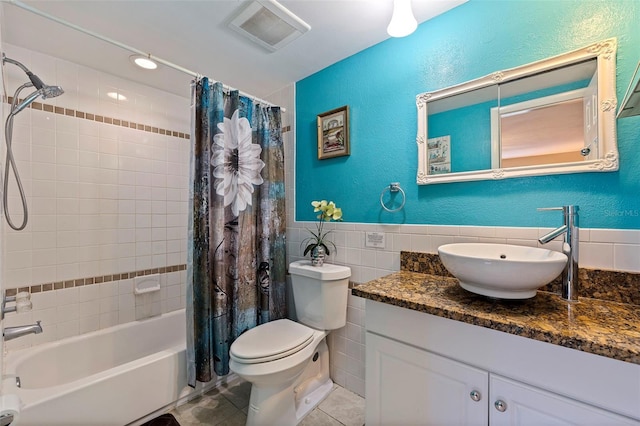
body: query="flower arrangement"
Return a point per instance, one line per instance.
(328, 211)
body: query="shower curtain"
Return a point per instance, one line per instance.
(236, 255)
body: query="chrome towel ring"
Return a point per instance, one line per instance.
(393, 188)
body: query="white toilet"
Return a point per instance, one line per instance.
(287, 362)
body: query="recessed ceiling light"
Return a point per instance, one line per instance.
(117, 96)
(144, 62)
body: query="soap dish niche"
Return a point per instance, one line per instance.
(146, 284)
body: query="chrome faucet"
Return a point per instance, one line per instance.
(10, 333)
(570, 247)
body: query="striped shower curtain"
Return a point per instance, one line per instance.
(236, 255)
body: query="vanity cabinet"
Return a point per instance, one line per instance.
(424, 369)
(407, 385)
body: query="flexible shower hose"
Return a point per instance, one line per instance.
(10, 161)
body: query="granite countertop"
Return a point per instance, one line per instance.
(596, 326)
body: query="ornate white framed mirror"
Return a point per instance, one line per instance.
(552, 116)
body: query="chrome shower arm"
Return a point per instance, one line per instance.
(38, 84)
(16, 63)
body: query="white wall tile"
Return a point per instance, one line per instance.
(623, 236)
(517, 233)
(596, 255)
(420, 243)
(88, 324)
(626, 257)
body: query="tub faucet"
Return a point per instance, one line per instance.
(22, 304)
(10, 333)
(570, 247)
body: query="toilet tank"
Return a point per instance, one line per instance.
(320, 294)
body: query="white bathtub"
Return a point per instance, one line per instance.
(113, 376)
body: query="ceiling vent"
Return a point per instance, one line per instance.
(269, 24)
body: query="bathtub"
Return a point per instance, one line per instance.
(113, 376)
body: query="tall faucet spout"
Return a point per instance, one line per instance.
(553, 234)
(570, 247)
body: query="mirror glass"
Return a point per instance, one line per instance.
(548, 117)
(465, 119)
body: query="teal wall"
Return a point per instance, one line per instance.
(380, 84)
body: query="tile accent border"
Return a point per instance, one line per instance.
(109, 120)
(613, 286)
(58, 285)
(101, 119)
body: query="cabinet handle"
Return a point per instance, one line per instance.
(475, 395)
(500, 405)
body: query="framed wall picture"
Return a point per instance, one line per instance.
(333, 133)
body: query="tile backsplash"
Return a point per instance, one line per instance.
(605, 249)
(106, 181)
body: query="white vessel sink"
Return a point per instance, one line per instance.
(502, 270)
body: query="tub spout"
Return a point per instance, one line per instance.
(10, 333)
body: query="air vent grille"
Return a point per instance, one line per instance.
(269, 24)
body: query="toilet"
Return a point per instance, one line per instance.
(287, 362)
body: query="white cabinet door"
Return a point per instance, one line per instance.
(410, 386)
(514, 403)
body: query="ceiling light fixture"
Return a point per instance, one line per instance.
(402, 21)
(144, 61)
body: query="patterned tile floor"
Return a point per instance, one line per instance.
(227, 405)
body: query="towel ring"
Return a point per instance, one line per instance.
(393, 188)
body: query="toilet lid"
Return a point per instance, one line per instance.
(271, 341)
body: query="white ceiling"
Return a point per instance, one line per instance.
(194, 35)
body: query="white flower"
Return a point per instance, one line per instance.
(236, 163)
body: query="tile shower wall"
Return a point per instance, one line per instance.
(106, 183)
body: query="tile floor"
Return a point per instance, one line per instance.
(227, 405)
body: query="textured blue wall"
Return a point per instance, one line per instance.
(380, 84)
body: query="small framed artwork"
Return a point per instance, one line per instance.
(439, 155)
(333, 133)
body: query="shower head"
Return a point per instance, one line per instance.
(51, 91)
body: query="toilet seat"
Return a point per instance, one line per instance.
(271, 341)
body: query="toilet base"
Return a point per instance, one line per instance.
(314, 384)
(278, 408)
(289, 403)
(313, 399)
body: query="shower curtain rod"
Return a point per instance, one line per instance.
(131, 49)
